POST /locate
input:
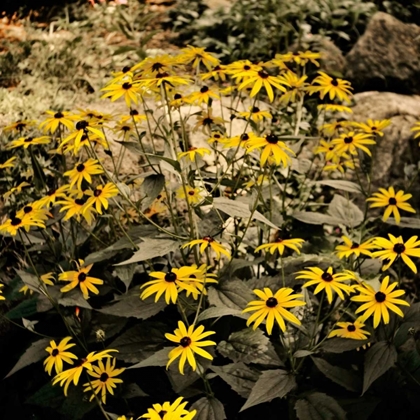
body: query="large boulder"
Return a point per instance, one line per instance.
(397, 147)
(386, 57)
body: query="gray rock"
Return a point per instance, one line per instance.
(397, 147)
(386, 57)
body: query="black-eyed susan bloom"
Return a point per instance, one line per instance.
(15, 223)
(199, 280)
(194, 195)
(16, 189)
(354, 248)
(331, 86)
(217, 73)
(353, 330)
(349, 143)
(281, 244)
(80, 278)
(299, 57)
(296, 87)
(192, 153)
(168, 411)
(256, 114)
(98, 198)
(53, 121)
(189, 341)
(203, 96)
(10, 163)
(51, 196)
(82, 171)
(25, 142)
(83, 128)
(197, 56)
(68, 376)
(395, 248)
(335, 108)
(58, 355)
(126, 89)
(206, 241)
(416, 129)
(75, 207)
(392, 201)
(377, 303)
(170, 283)
(326, 280)
(105, 379)
(373, 126)
(19, 126)
(273, 307)
(272, 148)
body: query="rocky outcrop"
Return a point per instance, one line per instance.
(397, 147)
(386, 57)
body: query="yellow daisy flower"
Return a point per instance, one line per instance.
(52, 123)
(80, 278)
(281, 244)
(106, 380)
(98, 198)
(416, 129)
(192, 152)
(206, 120)
(296, 87)
(335, 108)
(378, 303)
(83, 128)
(242, 69)
(334, 127)
(29, 141)
(299, 57)
(255, 114)
(395, 248)
(273, 307)
(83, 171)
(198, 56)
(9, 163)
(126, 89)
(19, 126)
(189, 343)
(16, 189)
(170, 283)
(199, 280)
(350, 142)
(326, 280)
(350, 247)
(272, 147)
(203, 96)
(392, 201)
(58, 355)
(168, 411)
(217, 73)
(52, 195)
(205, 242)
(193, 195)
(353, 330)
(73, 374)
(12, 225)
(373, 127)
(331, 86)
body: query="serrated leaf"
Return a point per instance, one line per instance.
(249, 346)
(346, 378)
(378, 359)
(341, 185)
(319, 406)
(343, 209)
(234, 294)
(271, 384)
(151, 248)
(340, 345)
(239, 376)
(131, 306)
(209, 409)
(151, 188)
(235, 208)
(33, 354)
(160, 358)
(217, 312)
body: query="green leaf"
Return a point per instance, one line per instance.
(48, 396)
(343, 209)
(30, 280)
(237, 208)
(217, 312)
(132, 391)
(209, 409)
(315, 218)
(39, 176)
(249, 346)
(125, 273)
(319, 406)
(346, 378)
(233, 294)
(271, 384)
(131, 306)
(341, 185)
(160, 358)
(239, 376)
(25, 309)
(378, 359)
(302, 353)
(405, 222)
(151, 188)
(140, 342)
(173, 163)
(340, 345)
(151, 248)
(33, 354)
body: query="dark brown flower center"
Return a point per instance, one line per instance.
(207, 121)
(204, 89)
(192, 192)
(272, 138)
(380, 297)
(20, 126)
(80, 201)
(185, 341)
(392, 201)
(177, 96)
(51, 192)
(399, 248)
(134, 112)
(255, 109)
(246, 67)
(208, 239)
(58, 115)
(27, 209)
(80, 167)
(157, 66)
(244, 137)
(82, 125)
(104, 377)
(126, 86)
(28, 140)
(271, 302)
(373, 128)
(97, 193)
(334, 82)
(354, 245)
(54, 352)
(327, 276)
(81, 277)
(162, 75)
(170, 277)
(348, 140)
(162, 413)
(351, 328)
(263, 74)
(15, 221)
(126, 69)
(125, 128)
